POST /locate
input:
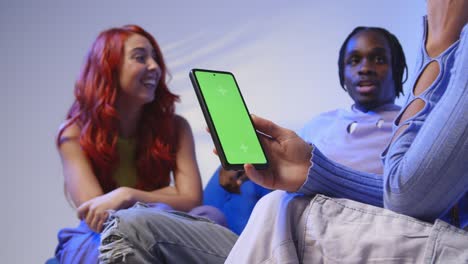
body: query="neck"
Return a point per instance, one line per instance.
(367, 108)
(129, 117)
(361, 108)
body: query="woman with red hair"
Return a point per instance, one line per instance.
(119, 144)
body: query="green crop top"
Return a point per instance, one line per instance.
(126, 173)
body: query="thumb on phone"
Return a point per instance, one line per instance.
(267, 127)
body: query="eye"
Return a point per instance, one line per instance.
(380, 60)
(353, 60)
(140, 58)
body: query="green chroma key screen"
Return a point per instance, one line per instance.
(230, 118)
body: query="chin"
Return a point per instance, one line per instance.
(366, 102)
(362, 100)
(149, 100)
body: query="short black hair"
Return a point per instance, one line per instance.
(398, 59)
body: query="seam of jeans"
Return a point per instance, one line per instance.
(272, 256)
(393, 215)
(301, 242)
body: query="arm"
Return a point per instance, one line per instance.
(446, 20)
(426, 170)
(425, 186)
(82, 184)
(330, 178)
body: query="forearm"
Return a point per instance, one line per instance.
(446, 19)
(335, 180)
(86, 191)
(168, 195)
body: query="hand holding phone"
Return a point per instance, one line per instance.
(228, 119)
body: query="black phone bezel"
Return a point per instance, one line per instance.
(214, 135)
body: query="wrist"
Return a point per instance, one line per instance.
(128, 197)
(310, 152)
(308, 157)
(307, 164)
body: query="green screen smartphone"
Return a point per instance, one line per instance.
(228, 119)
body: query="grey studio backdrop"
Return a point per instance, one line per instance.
(284, 54)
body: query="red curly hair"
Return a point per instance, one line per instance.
(94, 111)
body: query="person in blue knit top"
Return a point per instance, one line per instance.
(414, 212)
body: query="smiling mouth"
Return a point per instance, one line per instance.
(149, 84)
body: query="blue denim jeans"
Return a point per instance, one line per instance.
(149, 233)
(145, 235)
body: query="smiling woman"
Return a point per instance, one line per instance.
(119, 144)
(139, 72)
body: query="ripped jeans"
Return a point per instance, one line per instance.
(149, 234)
(144, 235)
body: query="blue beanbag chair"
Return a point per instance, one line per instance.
(236, 207)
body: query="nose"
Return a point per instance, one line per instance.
(366, 67)
(152, 64)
